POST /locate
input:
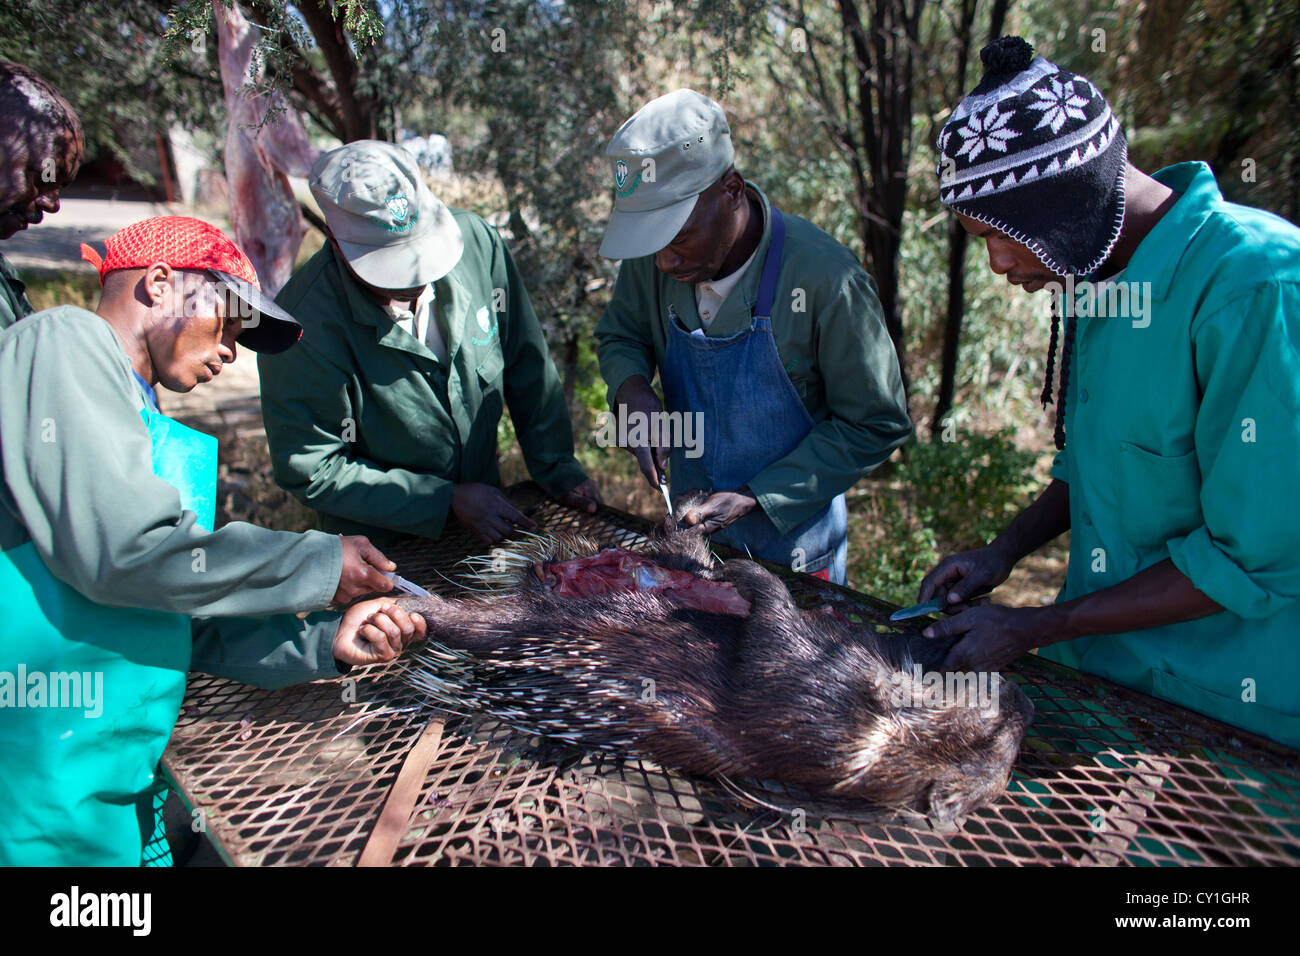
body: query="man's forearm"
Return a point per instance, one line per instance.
(1047, 518)
(1156, 596)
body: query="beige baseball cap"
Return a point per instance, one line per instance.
(393, 231)
(670, 151)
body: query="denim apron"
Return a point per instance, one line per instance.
(751, 417)
(80, 786)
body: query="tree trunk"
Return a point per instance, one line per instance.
(883, 60)
(957, 236)
(570, 371)
(358, 115)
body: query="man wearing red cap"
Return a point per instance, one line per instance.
(115, 585)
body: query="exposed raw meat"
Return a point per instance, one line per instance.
(259, 158)
(614, 570)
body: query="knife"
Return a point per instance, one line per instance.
(932, 606)
(668, 501)
(401, 584)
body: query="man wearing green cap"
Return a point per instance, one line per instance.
(418, 333)
(767, 336)
(1178, 412)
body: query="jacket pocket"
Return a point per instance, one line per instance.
(1159, 495)
(489, 370)
(1254, 717)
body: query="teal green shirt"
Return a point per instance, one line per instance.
(77, 481)
(830, 334)
(366, 426)
(13, 296)
(1183, 442)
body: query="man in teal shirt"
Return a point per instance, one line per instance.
(41, 146)
(115, 582)
(1178, 413)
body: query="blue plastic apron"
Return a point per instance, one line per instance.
(80, 784)
(752, 416)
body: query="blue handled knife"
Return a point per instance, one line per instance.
(933, 606)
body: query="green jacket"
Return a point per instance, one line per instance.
(368, 428)
(1183, 442)
(78, 483)
(831, 338)
(13, 296)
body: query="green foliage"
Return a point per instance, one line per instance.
(46, 290)
(890, 548)
(944, 496)
(1211, 80)
(969, 489)
(108, 60)
(529, 93)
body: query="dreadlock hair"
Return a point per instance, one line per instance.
(1046, 397)
(1066, 349)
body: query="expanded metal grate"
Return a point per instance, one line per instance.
(1106, 776)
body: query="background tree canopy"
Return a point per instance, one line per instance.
(835, 107)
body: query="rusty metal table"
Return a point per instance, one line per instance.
(1106, 776)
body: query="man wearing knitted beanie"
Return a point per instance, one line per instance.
(1178, 409)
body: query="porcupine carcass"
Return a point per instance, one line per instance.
(710, 668)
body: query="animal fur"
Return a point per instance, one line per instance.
(802, 698)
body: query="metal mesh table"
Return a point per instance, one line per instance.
(1106, 776)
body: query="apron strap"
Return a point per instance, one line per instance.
(771, 267)
(150, 396)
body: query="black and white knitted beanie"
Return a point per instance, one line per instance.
(1036, 152)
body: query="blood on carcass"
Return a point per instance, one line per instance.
(260, 157)
(614, 570)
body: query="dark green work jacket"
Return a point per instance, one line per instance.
(368, 428)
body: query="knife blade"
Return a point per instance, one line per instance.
(401, 584)
(932, 606)
(668, 501)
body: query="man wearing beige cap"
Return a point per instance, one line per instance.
(417, 333)
(765, 331)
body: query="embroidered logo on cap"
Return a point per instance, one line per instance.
(620, 174)
(399, 207)
(404, 217)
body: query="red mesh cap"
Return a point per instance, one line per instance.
(187, 243)
(180, 241)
